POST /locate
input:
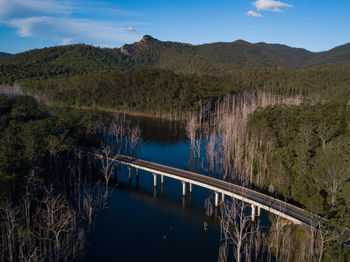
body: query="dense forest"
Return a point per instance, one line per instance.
(31, 137)
(156, 91)
(303, 152)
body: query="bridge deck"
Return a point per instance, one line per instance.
(271, 204)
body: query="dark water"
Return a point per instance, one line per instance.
(143, 224)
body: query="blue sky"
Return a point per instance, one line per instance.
(316, 25)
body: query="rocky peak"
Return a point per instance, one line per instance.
(147, 38)
(135, 48)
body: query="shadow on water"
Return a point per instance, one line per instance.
(160, 200)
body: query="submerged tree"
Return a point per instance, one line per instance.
(108, 159)
(235, 225)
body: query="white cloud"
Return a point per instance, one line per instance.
(130, 29)
(254, 14)
(72, 30)
(30, 8)
(66, 41)
(270, 5)
(58, 20)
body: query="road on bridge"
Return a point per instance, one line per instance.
(274, 204)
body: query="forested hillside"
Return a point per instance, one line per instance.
(304, 155)
(215, 58)
(335, 55)
(61, 61)
(156, 91)
(225, 56)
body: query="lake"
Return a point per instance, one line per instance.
(147, 224)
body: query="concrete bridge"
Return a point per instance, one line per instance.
(256, 199)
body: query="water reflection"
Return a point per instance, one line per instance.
(171, 205)
(160, 130)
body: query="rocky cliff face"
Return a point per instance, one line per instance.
(146, 42)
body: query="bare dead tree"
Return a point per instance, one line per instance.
(118, 132)
(135, 137)
(310, 253)
(191, 128)
(235, 225)
(108, 163)
(229, 119)
(210, 152)
(92, 202)
(46, 226)
(9, 218)
(257, 241)
(324, 236)
(208, 207)
(325, 133)
(88, 206)
(223, 251)
(197, 144)
(30, 256)
(58, 218)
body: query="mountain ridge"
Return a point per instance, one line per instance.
(214, 58)
(272, 54)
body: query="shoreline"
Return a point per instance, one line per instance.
(129, 113)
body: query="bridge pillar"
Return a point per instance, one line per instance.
(190, 187)
(222, 197)
(259, 211)
(216, 199)
(154, 179)
(137, 172)
(162, 179)
(129, 172)
(183, 188)
(253, 212)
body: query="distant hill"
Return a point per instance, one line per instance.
(215, 58)
(3, 55)
(173, 55)
(223, 55)
(335, 55)
(56, 61)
